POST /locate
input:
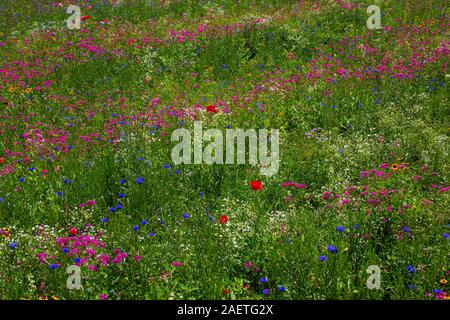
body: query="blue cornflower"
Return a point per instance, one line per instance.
(122, 181)
(406, 229)
(121, 195)
(140, 180)
(202, 194)
(185, 216)
(356, 226)
(135, 228)
(332, 249)
(70, 147)
(76, 260)
(13, 245)
(323, 258)
(68, 181)
(411, 269)
(340, 229)
(119, 206)
(2, 200)
(65, 250)
(112, 210)
(54, 266)
(167, 166)
(31, 169)
(446, 235)
(152, 234)
(412, 287)
(281, 288)
(140, 159)
(266, 291)
(144, 222)
(263, 280)
(104, 219)
(59, 193)
(22, 179)
(177, 171)
(437, 291)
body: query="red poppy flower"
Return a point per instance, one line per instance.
(223, 219)
(226, 291)
(3, 70)
(85, 18)
(73, 231)
(256, 185)
(212, 108)
(1, 160)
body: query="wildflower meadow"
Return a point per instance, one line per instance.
(224, 150)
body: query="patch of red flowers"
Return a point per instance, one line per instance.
(223, 219)
(85, 18)
(226, 291)
(212, 108)
(256, 185)
(73, 231)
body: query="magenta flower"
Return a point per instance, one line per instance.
(341, 71)
(177, 264)
(293, 184)
(103, 296)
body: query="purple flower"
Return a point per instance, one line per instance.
(340, 229)
(446, 235)
(323, 258)
(266, 292)
(177, 264)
